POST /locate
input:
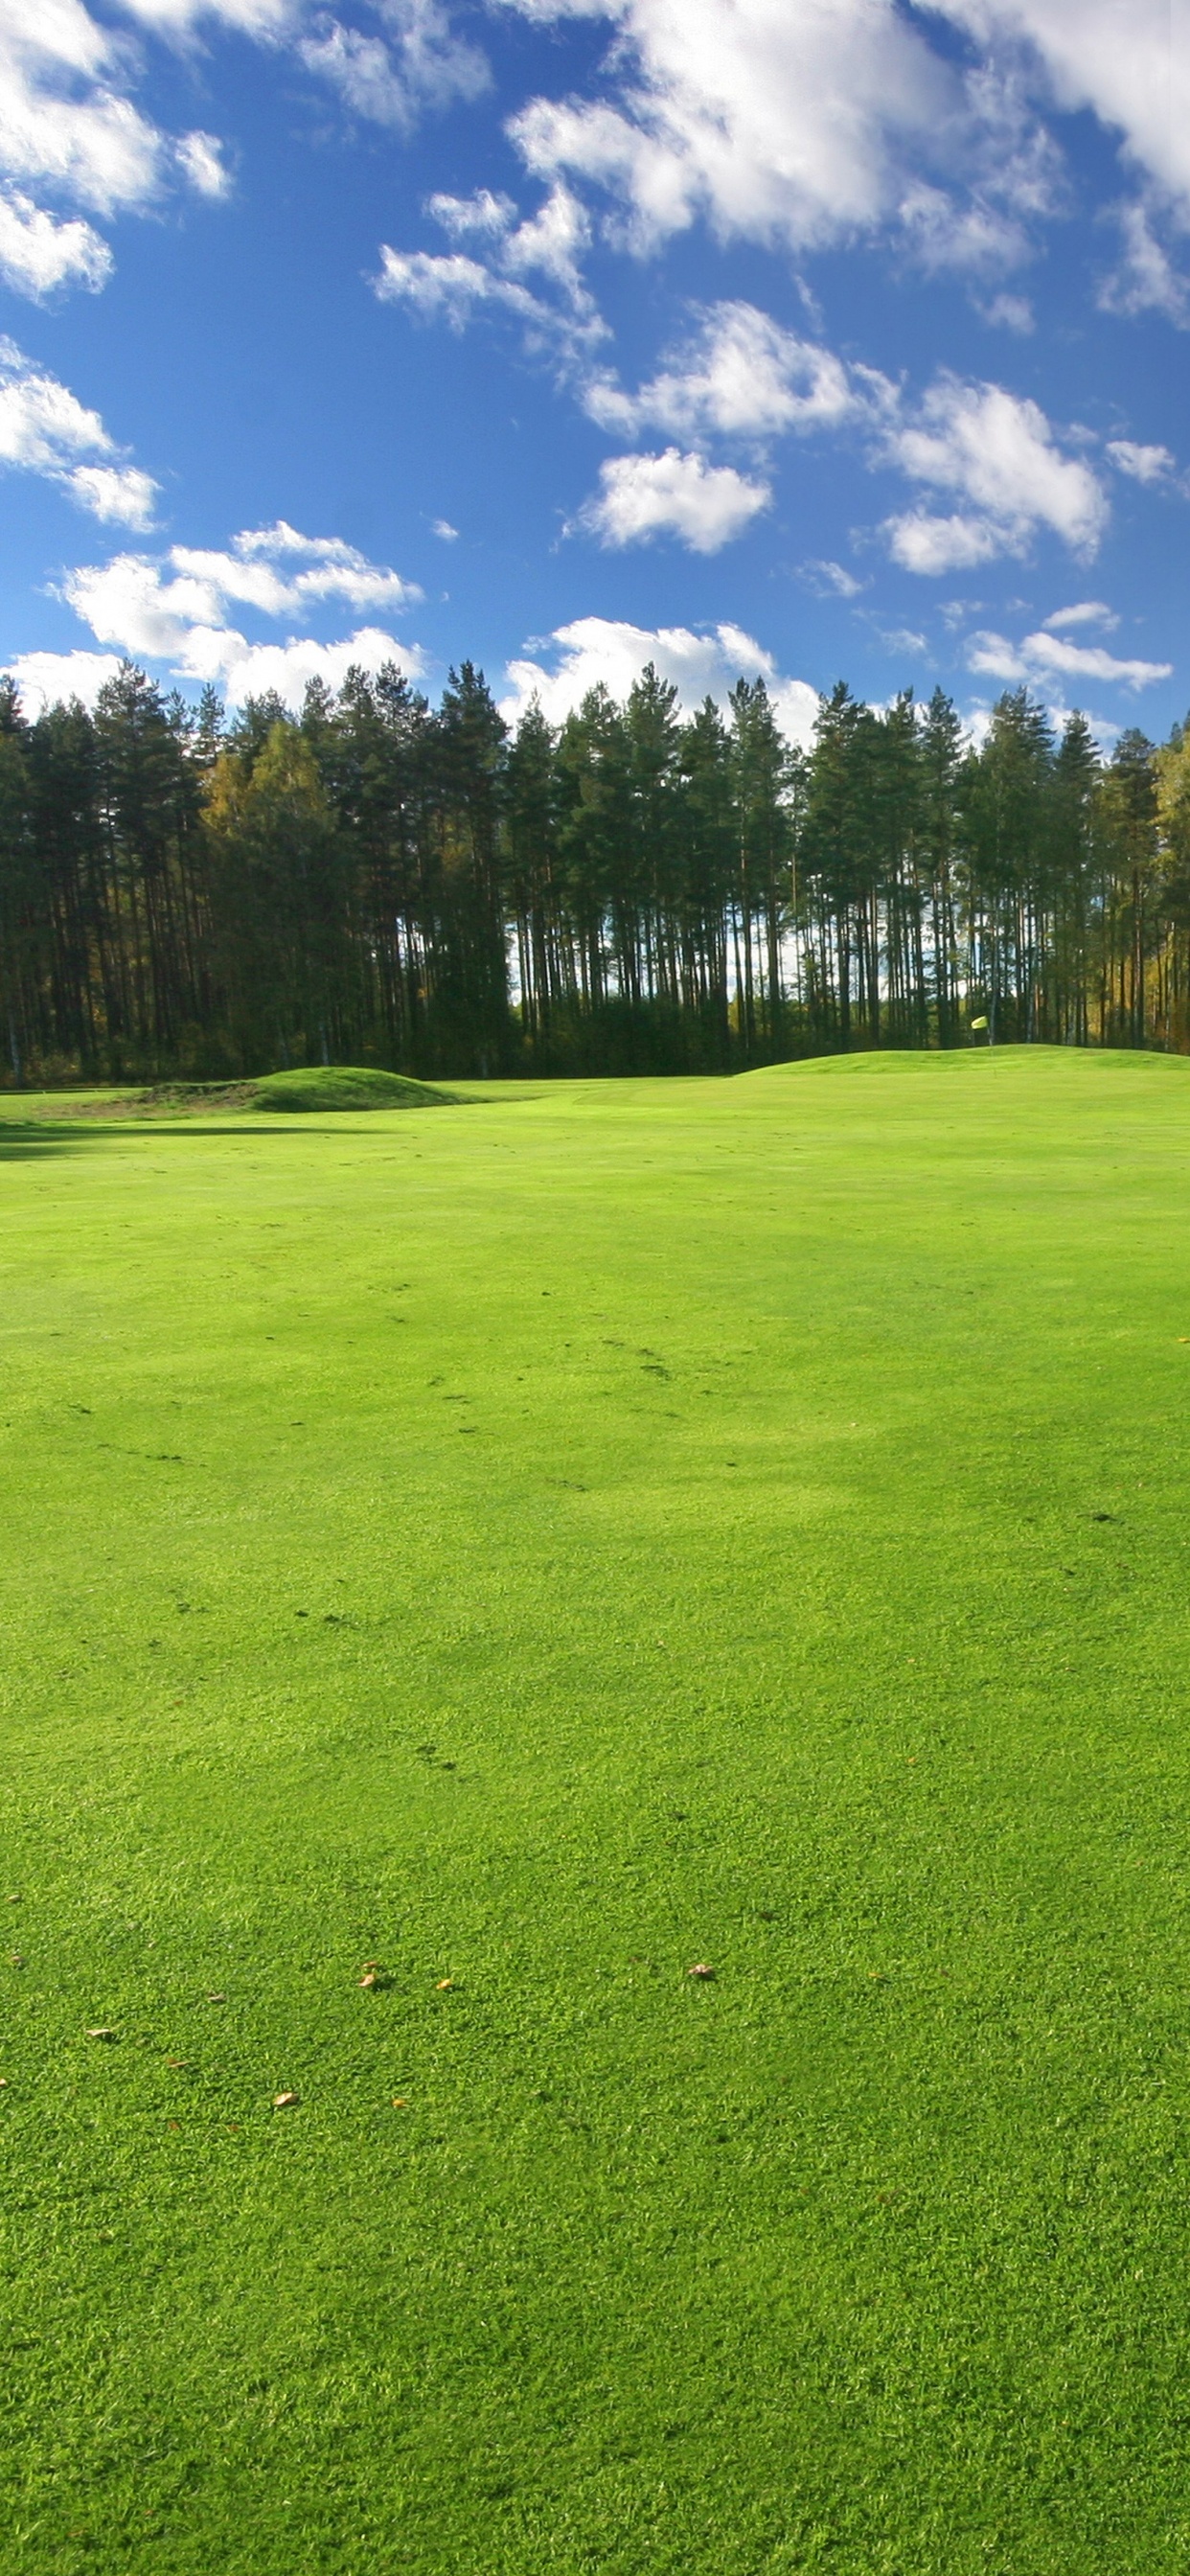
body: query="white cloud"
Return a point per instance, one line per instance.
(742, 375)
(926, 544)
(605, 652)
(174, 609)
(62, 116)
(251, 670)
(45, 430)
(442, 528)
(943, 235)
(1145, 280)
(1010, 313)
(260, 18)
(120, 495)
(831, 581)
(200, 159)
(994, 656)
(997, 453)
(447, 287)
(780, 124)
(1142, 464)
(1046, 656)
(50, 679)
(482, 215)
(418, 62)
(642, 497)
(1083, 612)
(903, 639)
(550, 244)
(37, 253)
(1134, 75)
(793, 123)
(1092, 662)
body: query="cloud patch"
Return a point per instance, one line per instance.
(418, 62)
(176, 610)
(45, 430)
(997, 454)
(38, 254)
(645, 496)
(1046, 656)
(741, 375)
(603, 652)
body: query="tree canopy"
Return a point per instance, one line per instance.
(382, 881)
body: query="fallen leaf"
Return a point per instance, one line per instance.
(399, 2102)
(700, 1969)
(177, 2062)
(373, 1974)
(444, 1985)
(15, 1960)
(285, 2101)
(216, 1999)
(103, 2033)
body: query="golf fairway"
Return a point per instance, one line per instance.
(538, 1547)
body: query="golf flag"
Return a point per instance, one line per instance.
(979, 1024)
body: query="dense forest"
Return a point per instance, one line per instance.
(382, 881)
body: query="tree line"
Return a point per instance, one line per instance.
(382, 881)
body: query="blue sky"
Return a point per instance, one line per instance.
(815, 338)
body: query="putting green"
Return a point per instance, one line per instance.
(600, 1530)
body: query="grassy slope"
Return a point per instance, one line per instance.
(544, 1545)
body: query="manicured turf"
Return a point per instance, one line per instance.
(345, 1086)
(596, 1530)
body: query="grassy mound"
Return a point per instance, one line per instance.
(345, 1086)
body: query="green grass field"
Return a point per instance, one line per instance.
(594, 1530)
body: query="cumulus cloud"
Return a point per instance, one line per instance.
(1136, 80)
(70, 128)
(740, 375)
(784, 125)
(642, 497)
(1046, 656)
(37, 253)
(176, 609)
(53, 679)
(605, 652)
(997, 453)
(121, 495)
(252, 670)
(1141, 464)
(168, 607)
(63, 117)
(803, 125)
(45, 430)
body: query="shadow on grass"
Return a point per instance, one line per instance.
(22, 1138)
